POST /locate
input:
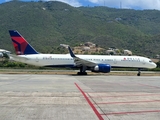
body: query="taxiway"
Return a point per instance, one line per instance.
(71, 97)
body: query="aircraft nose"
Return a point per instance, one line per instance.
(155, 65)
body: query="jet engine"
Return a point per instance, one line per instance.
(104, 68)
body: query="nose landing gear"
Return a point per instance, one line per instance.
(139, 72)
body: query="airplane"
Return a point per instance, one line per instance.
(2, 52)
(25, 53)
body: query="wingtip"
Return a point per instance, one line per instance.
(71, 52)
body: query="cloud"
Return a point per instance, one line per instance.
(129, 4)
(141, 4)
(7, 0)
(74, 3)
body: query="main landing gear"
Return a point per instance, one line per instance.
(82, 71)
(139, 72)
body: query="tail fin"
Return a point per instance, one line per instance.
(22, 47)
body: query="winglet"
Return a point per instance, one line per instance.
(71, 52)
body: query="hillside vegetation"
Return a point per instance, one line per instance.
(47, 24)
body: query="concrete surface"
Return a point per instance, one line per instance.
(71, 97)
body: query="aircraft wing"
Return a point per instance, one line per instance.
(81, 62)
(16, 57)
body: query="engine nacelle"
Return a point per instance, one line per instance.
(104, 68)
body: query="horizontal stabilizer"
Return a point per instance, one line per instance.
(16, 57)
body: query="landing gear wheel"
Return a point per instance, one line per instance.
(81, 73)
(85, 73)
(139, 74)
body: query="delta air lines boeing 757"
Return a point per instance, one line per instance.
(25, 53)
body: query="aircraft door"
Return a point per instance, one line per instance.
(37, 60)
(144, 62)
(115, 61)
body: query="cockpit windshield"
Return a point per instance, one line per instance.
(150, 61)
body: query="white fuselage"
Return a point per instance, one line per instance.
(65, 60)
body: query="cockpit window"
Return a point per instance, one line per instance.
(150, 61)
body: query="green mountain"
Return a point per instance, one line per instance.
(47, 24)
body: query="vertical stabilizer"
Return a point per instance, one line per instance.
(22, 47)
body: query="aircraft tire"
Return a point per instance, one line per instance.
(138, 74)
(81, 73)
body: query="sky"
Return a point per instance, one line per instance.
(126, 4)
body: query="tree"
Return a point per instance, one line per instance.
(158, 64)
(111, 53)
